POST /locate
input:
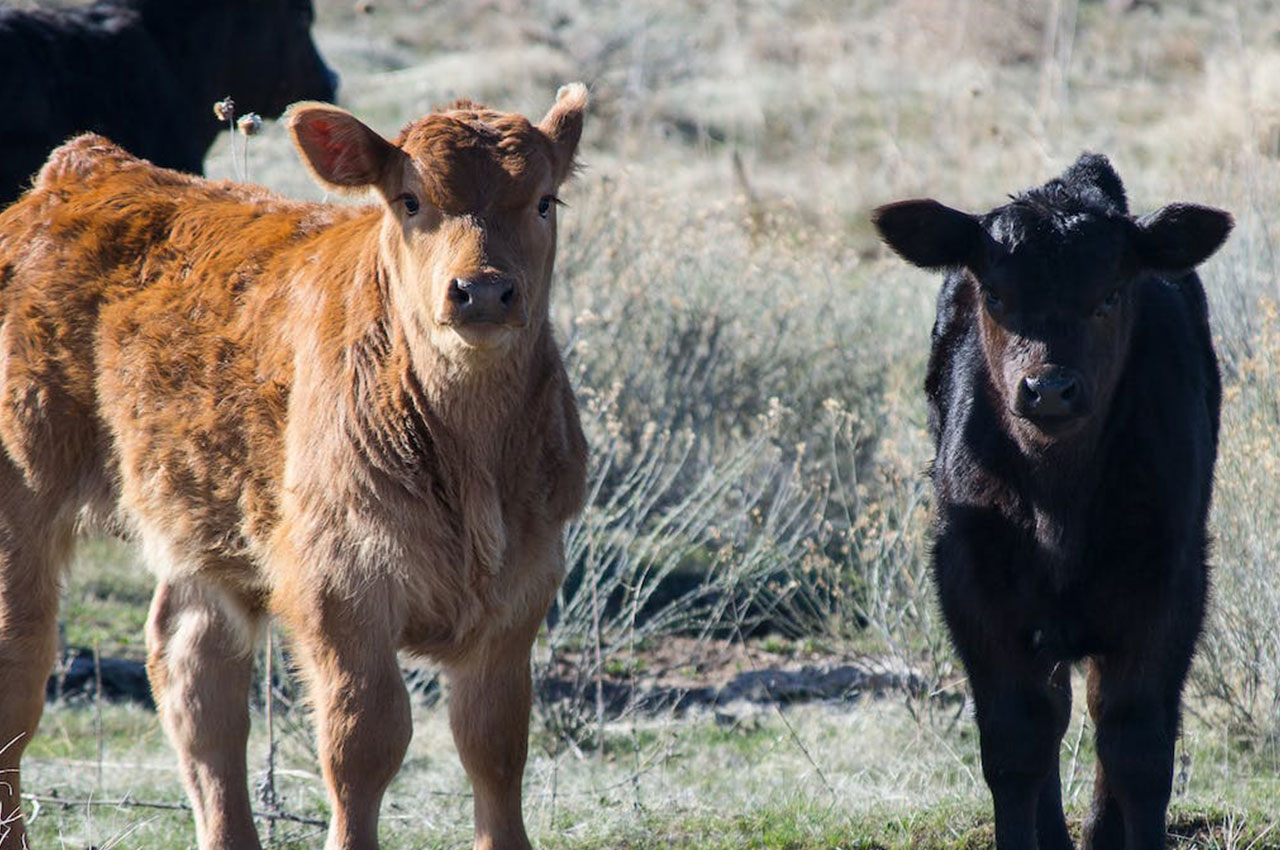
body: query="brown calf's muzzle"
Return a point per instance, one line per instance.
(484, 299)
(1052, 397)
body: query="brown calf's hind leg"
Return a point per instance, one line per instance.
(489, 701)
(200, 661)
(33, 550)
(363, 724)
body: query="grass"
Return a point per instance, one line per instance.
(860, 775)
(749, 363)
(106, 599)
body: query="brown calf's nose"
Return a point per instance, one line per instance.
(481, 299)
(1051, 394)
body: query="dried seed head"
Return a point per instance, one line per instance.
(249, 124)
(224, 109)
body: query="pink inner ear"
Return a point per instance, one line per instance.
(336, 152)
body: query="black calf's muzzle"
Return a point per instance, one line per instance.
(1051, 394)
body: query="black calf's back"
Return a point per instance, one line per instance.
(145, 73)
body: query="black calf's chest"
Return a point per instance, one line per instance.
(1058, 583)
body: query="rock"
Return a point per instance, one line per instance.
(77, 679)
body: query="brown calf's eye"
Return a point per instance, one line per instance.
(544, 205)
(411, 205)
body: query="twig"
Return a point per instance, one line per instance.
(596, 616)
(115, 840)
(755, 210)
(1261, 835)
(590, 793)
(69, 802)
(1075, 754)
(635, 738)
(555, 786)
(791, 730)
(97, 706)
(269, 797)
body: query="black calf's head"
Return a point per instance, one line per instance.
(1052, 284)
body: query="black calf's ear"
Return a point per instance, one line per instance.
(1179, 237)
(927, 234)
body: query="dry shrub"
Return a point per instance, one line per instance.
(739, 385)
(1238, 670)
(1007, 32)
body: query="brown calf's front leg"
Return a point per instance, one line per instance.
(489, 701)
(33, 550)
(28, 643)
(200, 661)
(363, 725)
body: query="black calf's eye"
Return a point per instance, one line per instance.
(410, 204)
(993, 302)
(1108, 304)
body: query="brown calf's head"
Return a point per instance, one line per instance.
(1052, 281)
(469, 225)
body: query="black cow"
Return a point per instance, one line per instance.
(146, 74)
(1073, 394)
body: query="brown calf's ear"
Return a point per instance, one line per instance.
(341, 153)
(928, 234)
(1179, 237)
(563, 126)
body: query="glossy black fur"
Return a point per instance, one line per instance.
(146, 73)
(1092, 548)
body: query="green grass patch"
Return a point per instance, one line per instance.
(104, 602)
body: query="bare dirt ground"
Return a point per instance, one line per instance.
(684, 673)
(677, 673)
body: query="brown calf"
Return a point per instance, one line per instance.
(354, 419)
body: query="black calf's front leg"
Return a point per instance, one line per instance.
(1137, 729)
(1021, 719)
(1051, 822)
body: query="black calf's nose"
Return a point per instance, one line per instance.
(481, 299)
(1050, 394)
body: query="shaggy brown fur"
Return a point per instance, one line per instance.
(353, 419)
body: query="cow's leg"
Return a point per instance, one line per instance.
(33, 550)
(363, 724)
(1051, 821)
(200, 660)
(1019, 727)
(1104, 826)
(489, 701)
(1137, 727)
